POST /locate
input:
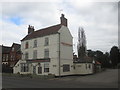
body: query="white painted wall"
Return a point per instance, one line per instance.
(53, 46)
(17, 67)
(66, 52)
(80, 68)
(53, 51)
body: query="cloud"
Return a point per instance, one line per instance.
(99, 20)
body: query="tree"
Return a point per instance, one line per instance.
(81, 43)
(99, 57)
(119, 57)
(107, 60)
(114, 55)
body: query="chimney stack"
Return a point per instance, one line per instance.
(63, 20)
(30, 29)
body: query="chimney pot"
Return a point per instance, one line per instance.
(63, 20)
(30, 29)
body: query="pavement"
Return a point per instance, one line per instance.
(105, 79)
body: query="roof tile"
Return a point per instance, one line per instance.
(43, 32)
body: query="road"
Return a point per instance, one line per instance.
(105, 79)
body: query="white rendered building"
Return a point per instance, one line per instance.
(49, 51)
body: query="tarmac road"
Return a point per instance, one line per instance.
(105, 79)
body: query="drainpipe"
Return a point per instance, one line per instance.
(59, 54)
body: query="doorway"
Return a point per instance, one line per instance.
(34, 69)
(39, 70)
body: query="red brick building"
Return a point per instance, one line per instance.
(5, 55)
(10, 56)
(15, 54)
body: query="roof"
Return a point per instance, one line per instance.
(43, 32)
(16, 46)
(6, 49)
(97, 62)
(86, 59)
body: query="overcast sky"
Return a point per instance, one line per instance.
(99, 20)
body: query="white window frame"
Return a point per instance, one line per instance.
(46, 67)
(26, 55)
(46, 53)
(35, 43)
(46, 41)
(66, 68)
(24, 67)
(35, 54)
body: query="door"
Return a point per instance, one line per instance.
(34, 69)
(39, 70)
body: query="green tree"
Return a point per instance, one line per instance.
(90, 53)
(107, 60)
(114, 55)
(99, 56)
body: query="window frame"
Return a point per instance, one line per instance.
(46, 67)
(46, 53)
(24, 67)
(4, 57)
(66, 68)
(35, 54)
(26, 55)
(35, 43)
(26, 45)
(46, 41)
(7, 57)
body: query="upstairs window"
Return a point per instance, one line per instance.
(46, 53)
(6, 57)
(13, 49)
(35, 54)
(35, 43)
(26, 45)
(46, 41)
(11, 57)
(26, 55)
(3, 57)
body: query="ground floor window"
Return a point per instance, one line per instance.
(24, 67)
(86, 66)
(89, 66)
(66, 68)
(46, 67)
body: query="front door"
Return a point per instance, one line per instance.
(34, 69)
(39, 70)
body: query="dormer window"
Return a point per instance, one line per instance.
(26, 45)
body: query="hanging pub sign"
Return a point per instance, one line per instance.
(66, 44)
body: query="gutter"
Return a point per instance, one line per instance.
(59, 54)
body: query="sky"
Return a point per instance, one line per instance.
(99, 20)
